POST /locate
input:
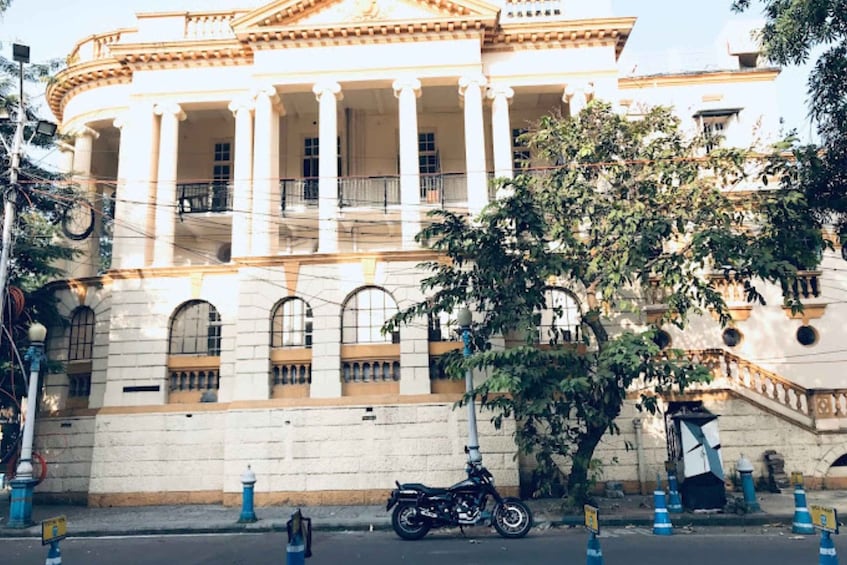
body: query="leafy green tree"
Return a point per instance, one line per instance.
(793, 31)
(41, 201)
(627, 206)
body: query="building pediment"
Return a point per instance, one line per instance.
(286, 18)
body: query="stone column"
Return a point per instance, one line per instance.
(137, 166)
(87, 260)
(501, 129)
(66, 165)
(577, 96)
(266, 205)
(407, 91)
(470, 88)
(328, 94)
(242, 198)
(166, 200)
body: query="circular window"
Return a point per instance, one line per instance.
(807, 335)
(662, 339)
(732, 337)
(224, 253)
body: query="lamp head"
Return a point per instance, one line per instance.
(20, 53)
(464, 318)
(45, 128)
(37, 332)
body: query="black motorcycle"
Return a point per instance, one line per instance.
(420, 508)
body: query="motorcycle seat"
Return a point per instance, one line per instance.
(430, 491)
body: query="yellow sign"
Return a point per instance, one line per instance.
(54, 529)
(824, 518)
(592, 518)
(797, 478)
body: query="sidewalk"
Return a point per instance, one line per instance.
(777, 509)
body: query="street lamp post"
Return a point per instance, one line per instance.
(23, 483)
(20, 53)
(464, 318)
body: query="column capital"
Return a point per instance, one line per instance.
(121, 121)
(169, 108)
(496, 90)
(571, 89)
(83, 131)
(402, 84)
(65, 147)
(241, 103)
(266, 90)
(470, 80)
(327, 87)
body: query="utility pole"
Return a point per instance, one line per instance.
(20, 54)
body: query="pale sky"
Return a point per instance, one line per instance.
(52, 27)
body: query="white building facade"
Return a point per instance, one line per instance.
(270, 168)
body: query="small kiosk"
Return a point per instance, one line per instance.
(695, 448)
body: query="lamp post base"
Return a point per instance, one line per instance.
(20, 507)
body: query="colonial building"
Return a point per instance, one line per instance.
(270, 168)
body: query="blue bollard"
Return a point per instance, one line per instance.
(248, 480)
(295, 551)
(827, 555)
(20, 503)
(674, 501)
(594, 554)
(54, 556)
(745, 468)
(661, 520)
(802, 523)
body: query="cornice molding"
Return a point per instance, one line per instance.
(705, 77)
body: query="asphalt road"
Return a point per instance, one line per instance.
(630, 546)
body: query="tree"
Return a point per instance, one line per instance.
(628, 205)
(41, 201)
(793, 30)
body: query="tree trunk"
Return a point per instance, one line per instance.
(578, 484)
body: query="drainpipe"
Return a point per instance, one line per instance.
(639, 450)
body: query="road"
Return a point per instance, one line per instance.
(630, 546)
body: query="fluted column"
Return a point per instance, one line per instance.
(328, 94)
(407, 91)
(86, 262)
(470, 88)
(166, 202)
(501, 129)
(577, 96)
(242, 199)
(266, 205)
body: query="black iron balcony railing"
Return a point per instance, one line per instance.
(204, 197)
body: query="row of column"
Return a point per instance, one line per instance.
(146, 212)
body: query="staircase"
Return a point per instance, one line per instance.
(817, 409)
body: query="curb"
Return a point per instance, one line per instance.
(682, 520)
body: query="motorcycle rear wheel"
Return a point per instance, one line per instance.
(404, 523)
(512, 518)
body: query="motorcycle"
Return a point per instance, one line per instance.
(419, 508)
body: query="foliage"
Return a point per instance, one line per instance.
(793, 30)
(628, 206)
(40, 204)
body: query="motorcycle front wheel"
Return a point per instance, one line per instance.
(406, 523)
(512, 518)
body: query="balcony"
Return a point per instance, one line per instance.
(438, 189)
(195, 198)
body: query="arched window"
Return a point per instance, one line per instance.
(560, 321)
(291, 324)
(196, 330)
(364, 314)
(81, 334)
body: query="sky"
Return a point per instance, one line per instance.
(52, 27)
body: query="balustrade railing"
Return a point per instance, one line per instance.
(190, 384)
(94, 47)
(211, 25)
(369, 192)
(204, 197)
(818, 408)
(370, 370)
